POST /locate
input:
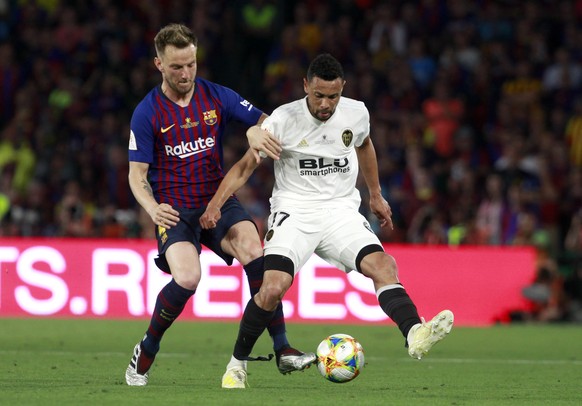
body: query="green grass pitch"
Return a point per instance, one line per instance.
(82, 362)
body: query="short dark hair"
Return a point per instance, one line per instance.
(326, 67)
(177, 35)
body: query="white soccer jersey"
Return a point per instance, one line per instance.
(318, 163)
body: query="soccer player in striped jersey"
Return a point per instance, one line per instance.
(175, 167)
(314, 209)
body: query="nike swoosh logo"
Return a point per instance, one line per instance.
(164, 130)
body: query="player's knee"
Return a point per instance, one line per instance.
(188, 280)
(274, 286)
(270, 296)
(389, 266)
(380, 267)
(273, 292)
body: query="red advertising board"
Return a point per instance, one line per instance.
(118, 279)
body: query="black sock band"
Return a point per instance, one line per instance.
(399, 307)
(252, 325)
(255, 271)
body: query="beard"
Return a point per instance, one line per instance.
(181, 88)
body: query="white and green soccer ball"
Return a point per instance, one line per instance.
(340, 357)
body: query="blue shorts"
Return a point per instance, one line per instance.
(189, 229)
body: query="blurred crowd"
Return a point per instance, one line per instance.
(476, 113)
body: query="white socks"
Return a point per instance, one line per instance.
(236, 363)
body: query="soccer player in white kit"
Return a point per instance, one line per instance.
(314, 209)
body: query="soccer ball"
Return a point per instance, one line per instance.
(340, 358)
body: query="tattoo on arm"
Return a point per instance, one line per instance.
(147, 187)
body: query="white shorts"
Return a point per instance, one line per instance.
(335, 235)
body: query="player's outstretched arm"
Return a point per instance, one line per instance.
(233, 181)
(369, 168)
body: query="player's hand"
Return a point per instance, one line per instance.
(382, 210)
(261, 141)
(210, 217)
(164, 215)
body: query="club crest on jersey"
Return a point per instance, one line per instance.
(210, 117)
(347, 137)
(189, 123)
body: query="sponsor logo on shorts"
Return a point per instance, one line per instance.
(367, 225)
(162, 234)
(269, 235)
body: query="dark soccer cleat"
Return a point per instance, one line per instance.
(136, 373)
(289, 360)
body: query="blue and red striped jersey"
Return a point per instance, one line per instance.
(183, 145)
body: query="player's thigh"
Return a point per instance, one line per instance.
(292, 235)
(347, 237)
(242, 241)
(235, 235)
(184, 263)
